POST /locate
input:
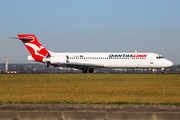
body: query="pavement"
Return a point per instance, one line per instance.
(88, 112)
(84, 107)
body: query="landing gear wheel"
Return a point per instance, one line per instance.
(84, 70)
(91, 70)
(162, 70)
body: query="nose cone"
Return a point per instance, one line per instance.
(168, 63)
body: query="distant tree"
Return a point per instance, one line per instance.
(10, 68)
(32, 68)
(28, 69)
(22, 69)
(178, 68)
(18, 68)
(41, 67)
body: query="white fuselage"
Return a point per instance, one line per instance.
(112, 60)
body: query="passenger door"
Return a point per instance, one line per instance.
(151, 61)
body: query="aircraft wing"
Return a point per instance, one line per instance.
(80, 65)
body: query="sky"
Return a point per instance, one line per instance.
(91, 26)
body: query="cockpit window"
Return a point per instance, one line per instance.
(159, 57)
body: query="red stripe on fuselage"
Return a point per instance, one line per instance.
(140, 55)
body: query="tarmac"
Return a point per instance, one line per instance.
(88, 112)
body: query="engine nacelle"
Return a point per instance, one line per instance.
(62, 59)
(58, 59)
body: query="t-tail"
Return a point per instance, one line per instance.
(37, 51)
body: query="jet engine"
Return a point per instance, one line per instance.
(62, 59)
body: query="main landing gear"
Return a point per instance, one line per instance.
(84, 70)
(90, 70)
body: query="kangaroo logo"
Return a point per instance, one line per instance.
(35, 48)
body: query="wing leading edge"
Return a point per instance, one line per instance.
(80, 65)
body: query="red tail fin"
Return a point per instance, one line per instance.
(37, 51)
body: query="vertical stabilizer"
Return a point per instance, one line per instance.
(37, 51)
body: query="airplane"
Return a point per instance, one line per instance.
(87, 62)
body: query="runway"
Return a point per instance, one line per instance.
(88, 112)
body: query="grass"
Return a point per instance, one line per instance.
(90, 88)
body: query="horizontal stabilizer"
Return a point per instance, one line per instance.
(30, 58)
(19, 38)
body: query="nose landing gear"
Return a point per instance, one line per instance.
(162, 70)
